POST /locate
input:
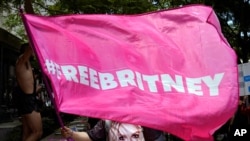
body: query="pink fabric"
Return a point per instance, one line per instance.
(171, 70)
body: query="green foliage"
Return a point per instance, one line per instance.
(235, 11)
(100, 7)
(8, 5)
(14, 23)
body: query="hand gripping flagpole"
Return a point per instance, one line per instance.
(45, 79)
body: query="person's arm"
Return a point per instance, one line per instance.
(27, 54)
(28, 7)
(76, 136)
(97, 133)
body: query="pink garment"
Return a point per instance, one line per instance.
(171, 70)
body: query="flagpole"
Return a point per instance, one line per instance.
(45, 79)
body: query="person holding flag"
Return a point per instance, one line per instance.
(114, 131)
(27, 91)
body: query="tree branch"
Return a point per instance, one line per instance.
(28, 7)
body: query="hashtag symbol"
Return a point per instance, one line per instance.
(50, 66)
(58, 72)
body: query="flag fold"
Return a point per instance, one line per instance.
(171, 70)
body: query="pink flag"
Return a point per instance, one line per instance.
(171, 70)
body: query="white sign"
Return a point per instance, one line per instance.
(244, 79)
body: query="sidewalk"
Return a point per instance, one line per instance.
(8, 127)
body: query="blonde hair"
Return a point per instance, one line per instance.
(114, 131)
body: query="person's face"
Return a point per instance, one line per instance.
(130, 132)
